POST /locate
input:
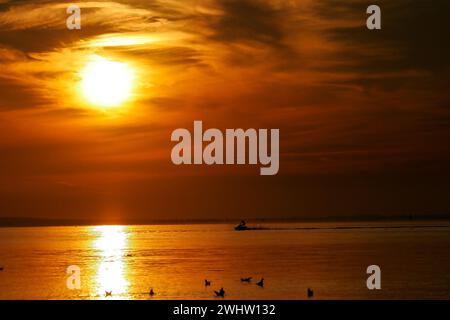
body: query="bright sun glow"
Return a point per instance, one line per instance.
(111, 242)
(106, 83)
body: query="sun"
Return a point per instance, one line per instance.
(106, 83)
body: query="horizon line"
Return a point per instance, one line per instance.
(55, 222)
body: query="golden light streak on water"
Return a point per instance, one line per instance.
(111, 272)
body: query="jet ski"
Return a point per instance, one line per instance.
(241, 226)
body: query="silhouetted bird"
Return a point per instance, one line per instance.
(108, 293)
(246, 279)
(1, 269)
(152, 293)
(220, 293)
(207, 283)
(310, 293)
(260, 283)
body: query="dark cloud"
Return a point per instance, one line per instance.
(43, 40)
(6, 5)
(14, 96)
(170, 56)
(66, 112)
(249, 21)
(414, 36)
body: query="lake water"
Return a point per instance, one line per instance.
(174, 260)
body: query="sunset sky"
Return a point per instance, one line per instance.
(364, 116)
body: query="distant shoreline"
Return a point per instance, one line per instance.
(9, 222)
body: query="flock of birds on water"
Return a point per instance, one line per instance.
(260, 283)
(221, 292)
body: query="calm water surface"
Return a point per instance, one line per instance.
(174, 260)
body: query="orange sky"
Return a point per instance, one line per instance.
(363, 115)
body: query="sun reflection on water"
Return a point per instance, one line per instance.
(111, 272)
